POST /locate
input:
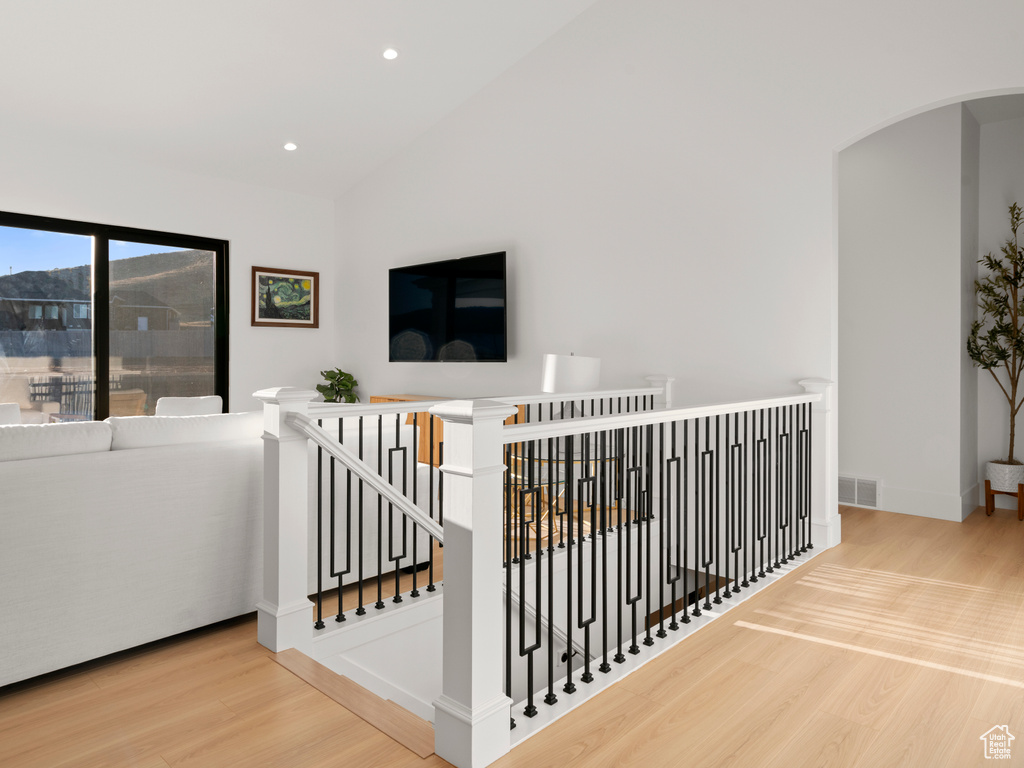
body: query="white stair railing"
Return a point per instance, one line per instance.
(472, 716)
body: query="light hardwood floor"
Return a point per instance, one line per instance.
(900, 647)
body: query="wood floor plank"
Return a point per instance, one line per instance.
(925, 619)
(823, 741)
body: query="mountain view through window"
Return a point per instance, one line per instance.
(73, 349)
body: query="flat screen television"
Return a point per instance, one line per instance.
(449, 311)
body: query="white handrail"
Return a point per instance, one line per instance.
(521, 433)
(346, 410)
(567, 397)
(314, 432)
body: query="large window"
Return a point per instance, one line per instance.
(98, 320)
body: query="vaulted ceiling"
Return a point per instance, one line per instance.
(218, 87)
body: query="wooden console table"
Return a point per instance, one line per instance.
(424, 450)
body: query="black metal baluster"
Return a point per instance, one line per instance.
(758, 499)
(808, 477)
(585, 624)
(684, 523)
(550, 698)
(440, 487)
(777, 463)
(798, 483)
(508, 572)
(769, 494)
(729, 504)
(319, 623)
(415, 448)
(394, 558)
(717, 491)
(589, 481)
(698, 515)
(745, 516)
(633, 600)
(380, 517)
(360, 609)
(397, 557)
(524, 650)
(648, 473)
(785, 485)
(348, 529)
(603, 493)
(791, 475)
(568, 500)
(708, 496)
(665, 576)
(622, 529)
(735, 479)
(431, 587)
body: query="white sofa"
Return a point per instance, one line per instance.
(117, 533)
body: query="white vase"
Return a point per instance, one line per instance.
(1004, 477)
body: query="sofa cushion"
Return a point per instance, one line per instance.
(189, 406)
(34, 441)
(151, 431)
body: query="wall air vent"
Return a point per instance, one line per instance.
(861, 492)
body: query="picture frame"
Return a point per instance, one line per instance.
(285, 298)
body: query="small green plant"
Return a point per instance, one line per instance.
(996, 341)
(339, 388)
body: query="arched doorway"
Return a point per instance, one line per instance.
(917, 200)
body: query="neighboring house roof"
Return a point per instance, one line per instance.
(138, 300)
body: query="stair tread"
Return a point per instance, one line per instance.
(407, 729)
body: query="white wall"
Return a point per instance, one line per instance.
(900, 299)
(264, 228)
(661, 175)
(970, 171)
(1002, 183)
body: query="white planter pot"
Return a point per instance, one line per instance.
(1004, 477)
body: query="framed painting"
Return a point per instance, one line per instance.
(285, 298)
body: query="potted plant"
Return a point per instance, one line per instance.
(996, 343)
(340, 387)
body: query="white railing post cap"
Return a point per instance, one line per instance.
(285, 395)
(816, 386)
(472, 411)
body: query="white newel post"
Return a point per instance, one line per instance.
(825, 521)
(284, 614)
(471, 718)
(664, 400)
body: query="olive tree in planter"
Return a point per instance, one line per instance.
(996, 343)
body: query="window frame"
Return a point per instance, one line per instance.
(102, 235)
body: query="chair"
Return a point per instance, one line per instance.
(15, 389)
(128, 402)
(189, 406)
(10, 413)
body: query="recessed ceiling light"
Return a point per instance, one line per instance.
(290, 146)
(390, 53)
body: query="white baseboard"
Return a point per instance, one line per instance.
(825, 535)
(938, 506)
